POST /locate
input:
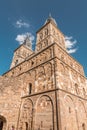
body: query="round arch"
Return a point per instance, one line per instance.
(44, 113)
(83, 107)
(70, 114)
(27, 99)
(82, 115)
(26, 114)
(43, 96)
(2, 123)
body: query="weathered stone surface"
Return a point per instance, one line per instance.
(45, 89)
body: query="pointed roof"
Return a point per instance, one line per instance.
(27, 42)
(50, 19)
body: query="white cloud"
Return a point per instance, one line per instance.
(70, 51)
(21, 37)
(70, 44)
(21, 23)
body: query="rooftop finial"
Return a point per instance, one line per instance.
(50, 19)
(27, 41)
(50, 15)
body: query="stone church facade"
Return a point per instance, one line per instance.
(44, 89)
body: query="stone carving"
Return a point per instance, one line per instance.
(40, 77)
(49, 70)
(44, 77)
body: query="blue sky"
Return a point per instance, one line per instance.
(21, 17)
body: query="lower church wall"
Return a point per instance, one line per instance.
(38, 112)
(73, 113)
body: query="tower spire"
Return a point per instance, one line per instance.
(51, 19)
(50, 15)
(27, 42)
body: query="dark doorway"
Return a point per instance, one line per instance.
(1, 125)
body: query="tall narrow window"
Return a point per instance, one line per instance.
(30, 88)
(41, 123)
(84, 92)
(69, 109)
(26, 125)
(76, 88)
(65, 128)
(83, 126)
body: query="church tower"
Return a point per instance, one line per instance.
(22, 52)
(48, 34)
(44, 90)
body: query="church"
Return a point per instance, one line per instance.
(45, 89)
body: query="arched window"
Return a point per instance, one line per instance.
(30, 88)
(41, 36)
(76, 88)
(46, 31)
